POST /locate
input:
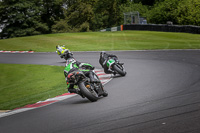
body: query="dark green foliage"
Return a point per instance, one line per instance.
(80, 15)
(24, 18)
(145, 2)
(52, 11)
(61, 26)
(108, 13)
(21, 18)
(181, 12)
(163, 12)
(188, 12)
(129, 7)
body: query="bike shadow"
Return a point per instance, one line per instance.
(61, 62)
(82, 101)
(116, 76)
(85, 101)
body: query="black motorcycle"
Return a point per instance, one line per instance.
(90, 90)
(116, 66)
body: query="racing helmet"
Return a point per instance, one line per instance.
(66, 51)
(70, 60)
(67, 54)
(60, 49)
(60, 46)
(102, 53)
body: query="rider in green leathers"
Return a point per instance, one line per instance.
(73, 65)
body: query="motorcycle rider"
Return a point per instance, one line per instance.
(63, 52)
(104, 57)
(73, 65)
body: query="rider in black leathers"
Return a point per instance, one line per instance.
(104, 57)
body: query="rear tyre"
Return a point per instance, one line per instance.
(90, 94)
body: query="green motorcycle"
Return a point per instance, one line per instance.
(91, 90)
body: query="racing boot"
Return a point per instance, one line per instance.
(101, 91)
(114, 73)
(105, 93)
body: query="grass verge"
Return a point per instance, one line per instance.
(26, 84)
(106, 41)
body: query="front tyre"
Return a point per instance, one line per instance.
(90, 94)
(119, 69)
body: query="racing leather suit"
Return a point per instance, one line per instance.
(103, 60)
(75, 67)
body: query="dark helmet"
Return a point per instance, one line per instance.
(68, 54)
(102, 53)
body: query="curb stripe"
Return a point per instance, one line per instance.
(2, 51)
(37, 104)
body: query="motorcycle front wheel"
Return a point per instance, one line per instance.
(119, 69)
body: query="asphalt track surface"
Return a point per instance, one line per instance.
(159, 94)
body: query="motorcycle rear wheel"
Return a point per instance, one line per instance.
(90, 94)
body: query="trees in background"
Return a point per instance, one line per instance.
(188, 12)
(145, 2)
(129, 7)
(181, 12)
(80, 15)
(52, 11)
(21, 18)
(108, 13)
(90, 15)
(163, 12)
(24, 18)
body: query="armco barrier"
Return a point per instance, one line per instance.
(163, 27)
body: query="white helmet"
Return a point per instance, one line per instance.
(70, 60)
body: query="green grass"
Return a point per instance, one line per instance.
(107, 41)
(25, 84)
